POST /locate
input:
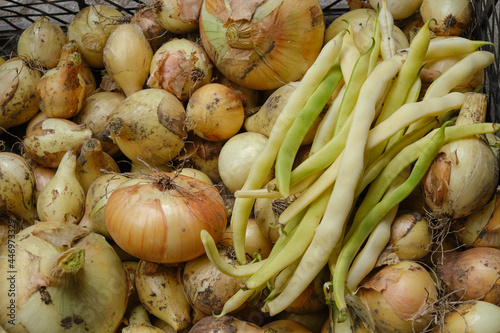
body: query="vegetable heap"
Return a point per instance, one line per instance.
(226, 165)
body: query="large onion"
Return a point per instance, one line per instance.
(159, 218)
(262, 45)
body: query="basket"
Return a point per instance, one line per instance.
(16, 15)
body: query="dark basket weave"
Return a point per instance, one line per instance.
(16, 15)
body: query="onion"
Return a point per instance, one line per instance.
(475, 316)
(95, 114)
(285, 326)
(250, 98)
(177, 16)
(236, 158)
(161, 292)
(61, 91)
(399, 9)
(452, 17)
(42, 177)
(18, 103)
(464, 175)
(180, 66)
(67, 279)
(224, 324)
(196, 174)
(262, 45)
(214, 112)
(42, 41)
(169, 212)
(153, 31)
(472, 274)
(90, 28)
(208, 289)
(139, 322)
(17, 188)
(257, 244)
(51, 138)
(158, 137)
(127, 56)
(63, 198)
(400, 297)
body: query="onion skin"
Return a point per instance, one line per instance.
(170, 217)
(473, 274)
(153, 31)
(451, 17)
(224, 324)
(262, 51)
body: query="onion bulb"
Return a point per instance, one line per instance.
(400, 297)
(17, 188)
(51, 138)
(153, 31)
(160, 290)
(42, 41)
(472, 274)
(95, 114)
(262, 45)
(464, 174)
(286, 325)
(63, 198)
(180, 66)
(452, 17)
(224, 324)
(398, 9)
(127, 56)
(473, 317)
(18, 82)
(67, 279)
(236, 158)
(42, 177)
(90, 28)
(177, 16)
(196, 174)
(256, 45)
(206, 287)
(158, 137)
(159, 218)
(257, 244)
(214, 112)
(138, 322)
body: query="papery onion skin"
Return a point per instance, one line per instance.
(162, 223)
(262, 45)
(153, 31)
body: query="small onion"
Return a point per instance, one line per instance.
(159, 218)
(90, 28)
(18, 82)
(127, 56)
(474, 317)
(400, 297)
(180, 66)
(236, 158)
(158, 137)
(262, 45)
(214, 112)
(256, 242)
(196, 174)
(472, 274)
(452, 17)
(398, 9)
(206, 287)
(42, 41)
(177, 16)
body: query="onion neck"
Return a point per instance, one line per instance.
(473, 110)
(239, 36)
(67, 268)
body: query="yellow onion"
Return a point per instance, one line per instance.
(153, 31)
(267, 212)
(127, 56)
(177, 16)
(399, 297)
(161, 292)
(66, 279)
(90, 28)
(398, 9)
(464, 174)
(40, 116)
(224, 324)
(158, 137)
(286, 325)
(63, 198)
(472, 317)
(51, 138)
(257, 244)
(451, 17)
(42, 177)
(214, 112)
(180, 66)
(139, 322)
(95, 202)
(262, 45)
(159, 218)
(206, 287)
(472, 274)
(481, 228)
(250, 98)
(236, 158)
(42, 41)
(18, 103)
(17, 188)
(95, 114)
(196, 174)
(61, 90)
